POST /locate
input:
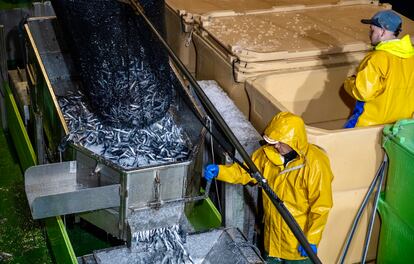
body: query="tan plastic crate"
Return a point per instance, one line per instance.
(317, 95)
(211, 65)
(234, 48)
(214, 64)
(180, 16)
(309, 32)
(201, 7)
(178, 37)
(339, 223)
(355, 154)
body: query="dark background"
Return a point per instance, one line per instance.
(404, 7)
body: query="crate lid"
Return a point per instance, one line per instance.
(333, 59)
(243, 70)
(269, 36)
(192, 9)
(401, 133)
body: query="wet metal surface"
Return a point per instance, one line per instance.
(158, 143)
(225, 246)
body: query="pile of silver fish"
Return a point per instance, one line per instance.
(162, 245)
(129, 148)
(121, 64)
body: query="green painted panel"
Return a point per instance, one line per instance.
(204, 215)
(396, 236)
(21, 238)
(42, 99)
(399, 146)
(18, 132)
(56, 232)
(59, 241)
(87, 238)
(51, 122)
(9, 4)
(396, 204)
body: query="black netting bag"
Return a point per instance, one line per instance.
(124, 69)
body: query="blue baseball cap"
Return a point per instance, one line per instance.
(386, 19)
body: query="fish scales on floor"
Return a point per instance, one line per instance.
(158, 143)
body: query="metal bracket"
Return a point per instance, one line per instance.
(209, 123)
(157, 192)
(189, 39)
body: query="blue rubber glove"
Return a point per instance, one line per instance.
(211, 171)
(303, 252)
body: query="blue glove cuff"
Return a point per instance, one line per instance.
(211, 171)
(303, 252)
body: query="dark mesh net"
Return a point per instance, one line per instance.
(124, 69)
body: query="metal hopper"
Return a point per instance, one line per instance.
(90, 181)
(131, 204)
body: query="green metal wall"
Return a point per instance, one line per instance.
(58, 240)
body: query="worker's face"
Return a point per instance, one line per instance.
(282, 148)
(375, 34)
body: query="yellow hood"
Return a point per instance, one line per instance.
(289, 129)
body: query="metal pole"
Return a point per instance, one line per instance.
(212, 111)
(360, 211)
(371, 222)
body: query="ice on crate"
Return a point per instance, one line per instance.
(238, 123)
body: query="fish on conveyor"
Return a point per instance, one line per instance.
(158, 143)
(161, 245)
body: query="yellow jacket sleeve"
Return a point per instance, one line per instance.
(368, 82)
(320, 201)
(234, 173)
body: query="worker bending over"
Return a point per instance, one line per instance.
(301, 176)
(384, 83)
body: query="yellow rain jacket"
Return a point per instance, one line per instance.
(304, 185)
(385, 82)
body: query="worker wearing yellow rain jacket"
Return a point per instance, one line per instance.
(384, 83)
(303, 183)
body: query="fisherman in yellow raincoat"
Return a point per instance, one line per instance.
(384, 83)
(301, 176)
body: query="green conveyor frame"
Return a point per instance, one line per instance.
(204, 215)
(56, 233)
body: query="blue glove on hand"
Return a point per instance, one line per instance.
(303, 252)
(211, 171)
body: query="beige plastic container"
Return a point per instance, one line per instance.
(317, 95)
(234, 48)
(182, 14)
(212, 64)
